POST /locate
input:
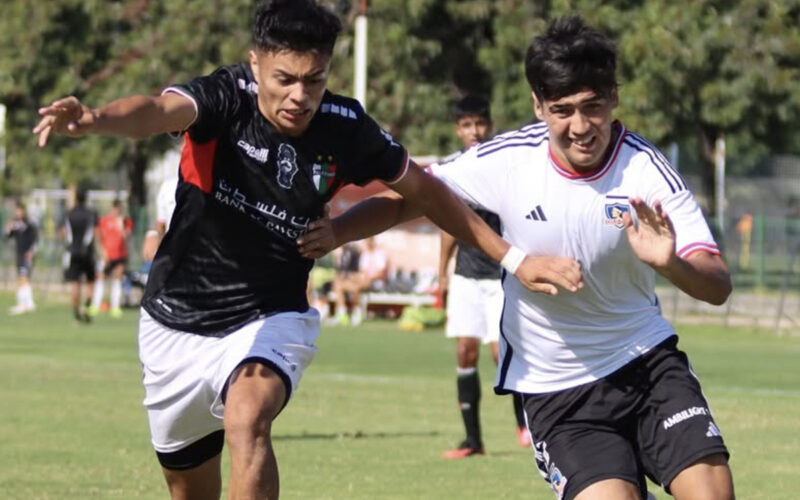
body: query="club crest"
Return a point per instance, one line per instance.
(614, 213)
(324, 174)
(287, 165)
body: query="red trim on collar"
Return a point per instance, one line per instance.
(611, 157)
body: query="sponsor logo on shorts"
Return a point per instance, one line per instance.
(285, 359)
(685, 415)
(713, 430)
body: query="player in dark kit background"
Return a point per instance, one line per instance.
(226, 330)
(25, 235)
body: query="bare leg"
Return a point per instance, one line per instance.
(707, 479)
(618, 489)
(203, 482)
(255, 397)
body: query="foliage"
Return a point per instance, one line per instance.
(690, 71)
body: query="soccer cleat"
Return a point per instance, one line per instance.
(18, 309)
(115, 312)
(463, 451)
(523, 437)
(92, 311)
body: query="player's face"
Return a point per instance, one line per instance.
(579, 126)
(290, 87)
(473, 129)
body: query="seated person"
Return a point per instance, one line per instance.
(357, 274)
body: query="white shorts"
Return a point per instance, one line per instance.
(474, 308)
(185, 374)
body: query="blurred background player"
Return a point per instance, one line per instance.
(24, 234)
(113, 231)
(78, 231)
(474, 295)
(360, 271)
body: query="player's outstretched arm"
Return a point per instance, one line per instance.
(702, 275)
(417, 194)
(137, 116)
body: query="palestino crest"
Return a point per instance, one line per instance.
(287, 165)
(324, 174)
(614, 213)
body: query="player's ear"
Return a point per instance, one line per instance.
(253, 63)
(537, 107)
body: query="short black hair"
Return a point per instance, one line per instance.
(569, 57)
(296, 25)
(472, 105)
(80, 195)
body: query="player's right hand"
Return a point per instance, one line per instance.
(548, 274)
(65, 116)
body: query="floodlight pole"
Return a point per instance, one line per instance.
(360, 80)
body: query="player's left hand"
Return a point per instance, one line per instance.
(319, 239)
(652, 237)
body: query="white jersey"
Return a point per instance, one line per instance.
(550, 343)
(165, 201)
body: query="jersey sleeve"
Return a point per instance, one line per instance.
(377, 155)
(215, 98)
(692, 233)
(473, 179)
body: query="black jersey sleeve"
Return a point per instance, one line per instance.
(376, 155)
(217, 97)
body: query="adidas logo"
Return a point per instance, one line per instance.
(536, 214)
(713, 431)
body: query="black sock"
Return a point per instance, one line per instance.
(518, 411)
(469, 395)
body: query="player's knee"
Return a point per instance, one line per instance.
(467, 354)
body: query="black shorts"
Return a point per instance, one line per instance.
(24, 266)
(647, 418)
(111, 264)
(80, 266)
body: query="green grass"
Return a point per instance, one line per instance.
(372, 416)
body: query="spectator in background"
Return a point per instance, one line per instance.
(78, 231)
(358, 273)
(25, 235)
(745, 230)
(113, 231)
(475, 299)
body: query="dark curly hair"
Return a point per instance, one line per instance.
(569, 57)
(296, 25)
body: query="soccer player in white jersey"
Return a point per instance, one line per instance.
(473, 294)
(226, 331)
(609, 397)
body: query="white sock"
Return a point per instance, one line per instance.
(116, 293)
(27, 296)
(21, 296)
(97, 296)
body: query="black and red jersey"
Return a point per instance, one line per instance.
(246, 193)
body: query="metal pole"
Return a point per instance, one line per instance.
(719, 191)
(360, 79)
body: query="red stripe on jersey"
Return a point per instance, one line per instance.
(688, 250)
(197, 162)
(402, 173)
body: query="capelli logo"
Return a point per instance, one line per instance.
(258, 154)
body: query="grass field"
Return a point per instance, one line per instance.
(372, 416)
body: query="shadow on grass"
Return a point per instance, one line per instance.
(353, 435)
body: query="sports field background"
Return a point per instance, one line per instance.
(373, 414)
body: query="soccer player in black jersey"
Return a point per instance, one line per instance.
(24, 234)
(226, 330)
(474, 296)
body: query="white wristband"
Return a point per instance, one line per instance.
(512, 259)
